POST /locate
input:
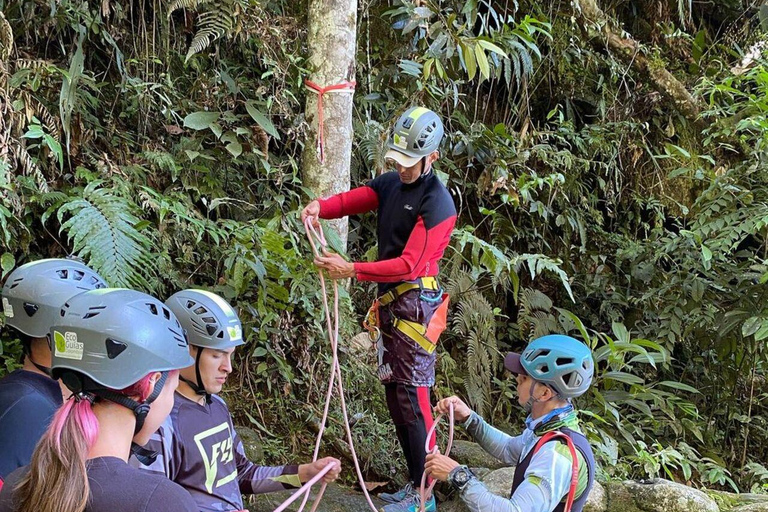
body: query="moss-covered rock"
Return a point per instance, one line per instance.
(657, 495)
(471, 454)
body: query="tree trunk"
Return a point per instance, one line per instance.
(332, 44)
(595, 24)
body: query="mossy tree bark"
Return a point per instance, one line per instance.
(597, 26)
(332, 44)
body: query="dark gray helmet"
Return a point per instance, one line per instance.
(34, 293)
(417, 134)
(115, 337)
(207, 319)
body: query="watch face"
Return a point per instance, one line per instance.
(461, 477)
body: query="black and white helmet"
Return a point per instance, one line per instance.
(34, 293)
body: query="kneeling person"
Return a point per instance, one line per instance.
(551, 371)
(197, 446)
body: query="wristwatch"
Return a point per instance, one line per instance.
(459, 477)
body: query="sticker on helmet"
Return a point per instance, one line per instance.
(66, 346)
(418, 112)
(235, 333)
(400, 141)
(7, 308)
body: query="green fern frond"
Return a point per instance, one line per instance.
(219, 21)
(30, 167)
(162, 160)
(192, 5)
(102, 230)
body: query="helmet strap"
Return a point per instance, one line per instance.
(140, 409)
(198, 386)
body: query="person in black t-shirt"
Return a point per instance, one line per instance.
(197, 446)
(32, 298)
(118, 352)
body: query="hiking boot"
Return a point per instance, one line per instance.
(411, 504)
(397, 497)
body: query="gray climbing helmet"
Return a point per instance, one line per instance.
(115, 337)
(207, 319)
(417, 134)
(34, 293)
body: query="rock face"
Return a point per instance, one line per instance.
(657, 495)
(745, 502)
(597, 501)
(251, 443)
(469, 453)
(752, 507)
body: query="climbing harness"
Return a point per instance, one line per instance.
(317, 238)
(424, 490)
(345, 87)
(425, 336)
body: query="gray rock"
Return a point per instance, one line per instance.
(469, 453)
(657, 495)
(731, 501)
(499, 481)
(597, 501)
(335, 499)
(752, 507)
(251, 443)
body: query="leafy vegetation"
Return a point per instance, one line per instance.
(161, 141)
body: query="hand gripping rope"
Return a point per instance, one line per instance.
(344, 88)
(317, 238)
(424, 491)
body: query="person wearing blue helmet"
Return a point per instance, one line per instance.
(554, 464)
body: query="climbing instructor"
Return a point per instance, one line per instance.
(416, 216)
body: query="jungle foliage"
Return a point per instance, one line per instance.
(160, 141)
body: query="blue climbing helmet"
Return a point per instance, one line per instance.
(562, 362)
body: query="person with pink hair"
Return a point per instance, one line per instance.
(118, 352)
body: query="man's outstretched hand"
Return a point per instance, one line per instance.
(336, 266)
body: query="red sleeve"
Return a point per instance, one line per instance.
(358, 200)
(422, 247)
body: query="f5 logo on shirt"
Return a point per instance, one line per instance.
(217, 450)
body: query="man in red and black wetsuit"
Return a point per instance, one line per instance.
(416, 216)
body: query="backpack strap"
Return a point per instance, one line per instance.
(549, 436)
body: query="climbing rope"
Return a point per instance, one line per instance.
(317, 239)
(343, 87)
(424, 491)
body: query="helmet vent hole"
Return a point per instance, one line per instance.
(152, 308)
(78, 275)
(16, 283)
(220, 335)
(92, 312)
(201, 311)
(209, 320)
(544, 369)
(210, 329)
(562, 361)
(115, 348)
(63, 274)
(30, 309)
(166, 313)
(190, 304)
